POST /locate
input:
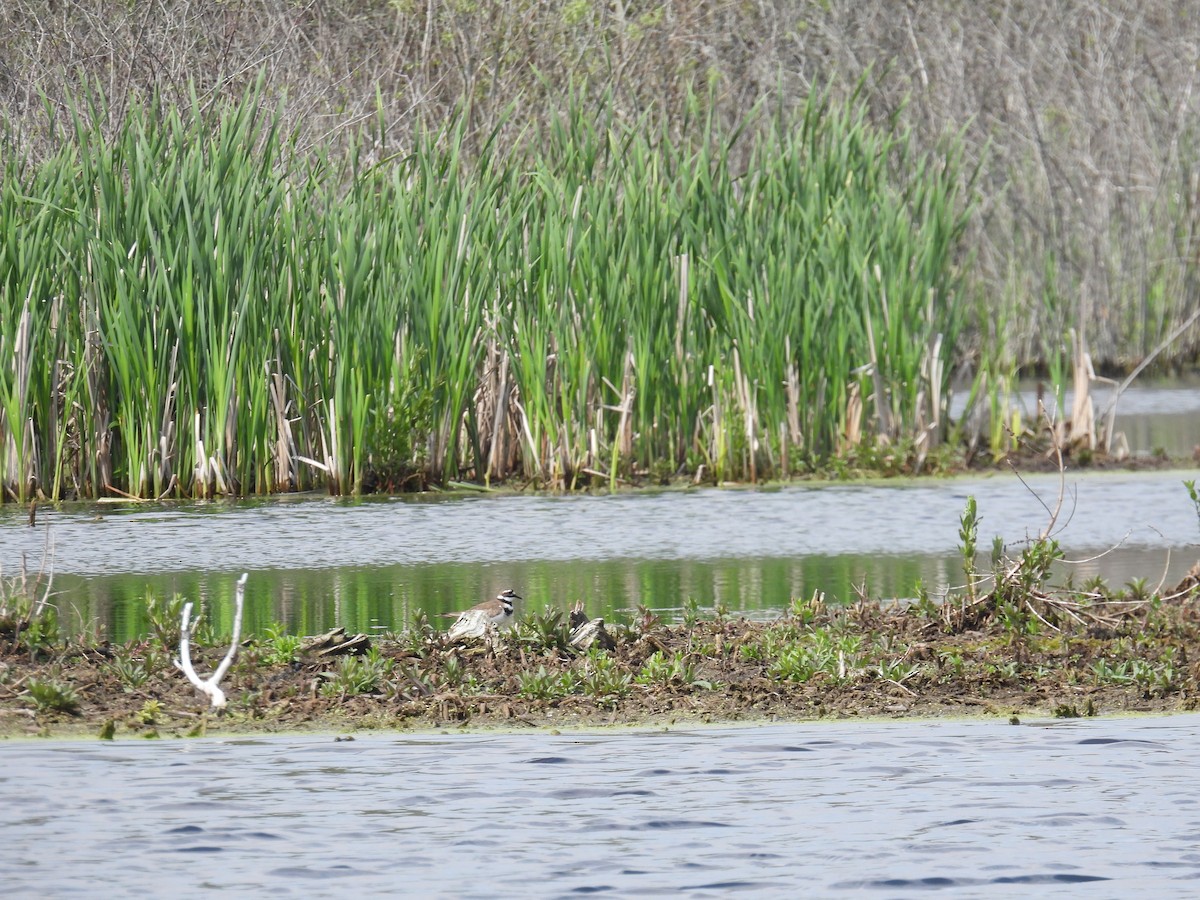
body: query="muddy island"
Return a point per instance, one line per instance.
(1018, 649)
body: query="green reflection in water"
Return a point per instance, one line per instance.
(385, 598)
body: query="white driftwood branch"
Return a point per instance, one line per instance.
(210, 687)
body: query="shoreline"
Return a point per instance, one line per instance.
(1032, 464)
(1031, 718)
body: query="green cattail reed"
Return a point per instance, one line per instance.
(193, 306)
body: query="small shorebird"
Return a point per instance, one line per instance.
(476, 621)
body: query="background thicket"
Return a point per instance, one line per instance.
(1084, 114)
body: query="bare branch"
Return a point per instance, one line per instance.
(210, 687)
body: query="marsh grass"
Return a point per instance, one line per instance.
(196, 306)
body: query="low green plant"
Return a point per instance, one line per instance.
(1190, 484)
(1138, 590)
(897, 670)
(52, 695)
(798, 662)
(278, 647)
(1152, 678)
(952, 660)
(545, 632)
(924, 604)
(26, 616)
(1106, 672)
(968, 539)
(603, 679)
(1005, 671)
(355, 675)
(165, 619)
(806, 612)
(471, 684)
(1015, 619)
(543, 685)
(666, 668)
(647, 619)
(817, 651)
(453, 671)
(1036, 560)
(753, 651)
(415, 639)
(998, 554)
(150, 713)
(39, 634)
(128, 669)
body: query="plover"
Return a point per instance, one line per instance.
(475, 622)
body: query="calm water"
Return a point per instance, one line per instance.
(1098, 808)
(316, 562)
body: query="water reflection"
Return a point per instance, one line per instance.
(310, 601)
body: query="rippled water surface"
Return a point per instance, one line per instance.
(911, 517)
(1103, 808)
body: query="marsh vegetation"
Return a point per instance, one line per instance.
(573, 245)
(193, 309)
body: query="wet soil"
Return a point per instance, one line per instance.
(1017, 651)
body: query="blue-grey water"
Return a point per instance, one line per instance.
(1096, 808)
(1152, 416)
(909, 517)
